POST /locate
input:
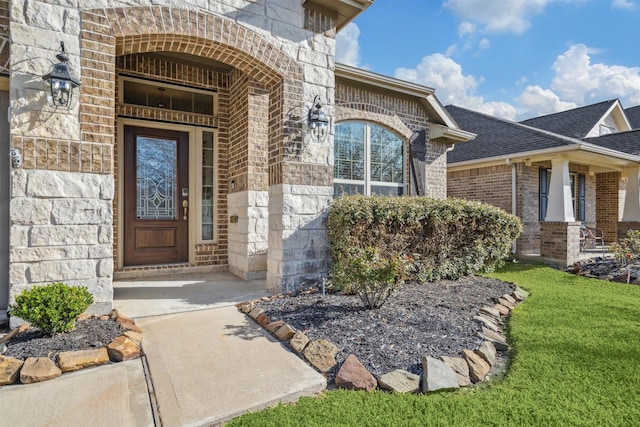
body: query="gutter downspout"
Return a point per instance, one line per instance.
(514, 200)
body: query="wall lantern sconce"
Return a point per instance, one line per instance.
(318, 121)
(60, 83)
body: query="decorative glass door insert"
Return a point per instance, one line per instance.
(156, 178)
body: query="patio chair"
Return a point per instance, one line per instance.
(591, 233)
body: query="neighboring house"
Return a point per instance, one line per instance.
(554, 172)
(194, 142)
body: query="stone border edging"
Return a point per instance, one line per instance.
(37, 369)
(445, 373)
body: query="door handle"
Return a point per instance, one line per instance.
(185, 206)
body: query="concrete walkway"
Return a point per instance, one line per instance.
(207, 363)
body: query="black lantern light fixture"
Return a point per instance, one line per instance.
(318, 121)
(60, 83)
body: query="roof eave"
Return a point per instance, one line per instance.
(537, 154)
(345, 11)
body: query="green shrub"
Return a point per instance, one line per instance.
(627, 250)
(442, 238)
(52, 308)
(372, 276)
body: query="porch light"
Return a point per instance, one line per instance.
(60, 83)
(318, 121)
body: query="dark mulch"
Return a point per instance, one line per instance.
(88, 334)
(421, 319)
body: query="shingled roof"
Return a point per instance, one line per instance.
(627, 142)
(498, 137)
(575, 123)
(633, 114)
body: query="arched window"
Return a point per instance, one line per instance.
(368, 159)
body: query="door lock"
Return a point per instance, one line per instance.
(185, 206)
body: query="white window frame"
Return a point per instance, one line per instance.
(368, 182)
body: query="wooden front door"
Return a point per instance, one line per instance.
(156, 196)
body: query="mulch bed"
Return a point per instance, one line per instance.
(88, 334)
(421, 319)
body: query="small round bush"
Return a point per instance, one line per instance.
(52, 308)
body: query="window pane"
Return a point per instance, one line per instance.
(382, 190)
(347, 189)
(387, 156)
(349, 151)
(207, 185)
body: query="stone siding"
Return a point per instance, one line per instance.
(62, 231)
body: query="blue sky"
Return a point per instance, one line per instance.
(511, 58)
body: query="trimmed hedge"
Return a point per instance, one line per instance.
(441, 238)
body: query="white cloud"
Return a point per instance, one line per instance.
(466, 28)
(580, 81)
(451, 50)
(535, 101)
(506, 16)
(348, 46)
(623, 4)
(484, 44)
(452, 86)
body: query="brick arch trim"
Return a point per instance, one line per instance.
(375, 114)
(111, 32)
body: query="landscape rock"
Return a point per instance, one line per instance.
(134, 336)
(507, 303)
(489, 323)
(122, 348)
(255, 313)
(299, 342)
(520, 294)
(273, 326)
(492, 312)
(437, 375)
(488, 352)
(15, 331)
(478, 367)
(497, 339)
(73, 360)
(128, 325)
(37, 369)
(246, 308)
(322, 355)
(622, 278)
(400, 381)
(606, 277)
(354, 376)
(509, 298)
(285, 332)
(501, 309)
(263, 320)
(9, 370)
(460, 368)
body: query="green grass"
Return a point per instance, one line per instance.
(575, 361)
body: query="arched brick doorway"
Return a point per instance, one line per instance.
(263, 83)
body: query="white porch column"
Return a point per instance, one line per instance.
(559, 205)
(631, 211)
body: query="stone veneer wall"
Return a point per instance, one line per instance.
(61, 231)
(403, 115)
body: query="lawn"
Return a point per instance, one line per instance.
(575, 361)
